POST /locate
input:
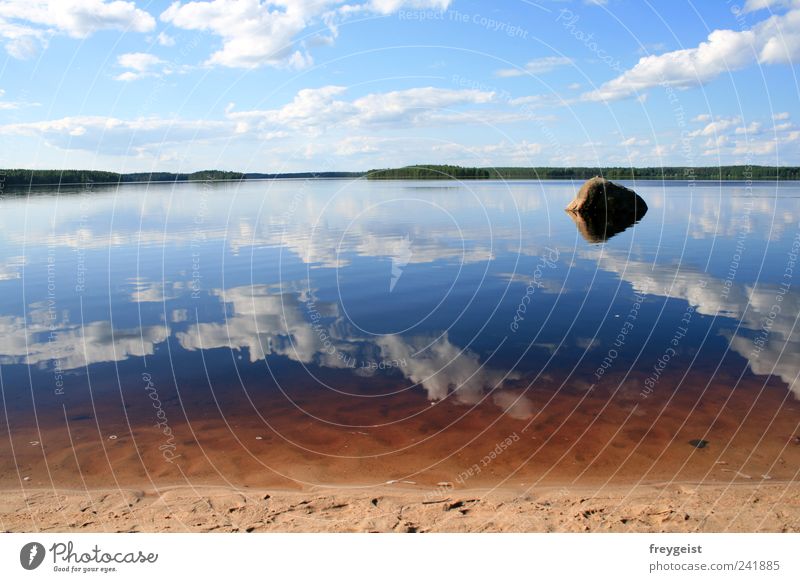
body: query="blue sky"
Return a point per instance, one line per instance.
(357, 84)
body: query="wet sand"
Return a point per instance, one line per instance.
(601, 459)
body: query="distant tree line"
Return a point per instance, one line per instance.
(23, 178)
(430, 172)
(17, 177)
(436, 172)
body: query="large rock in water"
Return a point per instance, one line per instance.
(602, 209)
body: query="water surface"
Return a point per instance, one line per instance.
(336, 330)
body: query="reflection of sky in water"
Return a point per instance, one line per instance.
(416, 281)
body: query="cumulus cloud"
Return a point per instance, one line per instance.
(6, 105)
(717, 126)
(72, 346)
(271, 321)
(535, 67)
(315, 109)
(11, 268)
(256, 33)
(734, 139)
(265, 321)
(635, 141)
(441, 367)
(118, 136)
(754, 5)
(775, 40)
(140, 65)
(311, 111)
(26, 25)
(144, 291)
(772, 353)
(165, 40)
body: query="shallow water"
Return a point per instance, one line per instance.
(403, 314)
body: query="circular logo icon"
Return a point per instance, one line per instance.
(31, 555)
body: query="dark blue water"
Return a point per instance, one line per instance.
(454, 290)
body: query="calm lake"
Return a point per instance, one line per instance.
(337, 330)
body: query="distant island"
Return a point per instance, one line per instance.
(21, 177)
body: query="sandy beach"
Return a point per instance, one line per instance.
(599, 460)
(400, 508)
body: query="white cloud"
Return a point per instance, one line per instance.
(144, 291)
(26, 25)
(752, 306)
(717, 126)
(535, 67)
(775, 40)
(390, 6)
(635, 141)
(141, 65)
(441, 367)
(165, 40)
(749, 129)
(316, 109)
(754, 5)
(271, 321)
(74, 346)
(780, 116)
(258, 33)
(11, 268)
(118, 136)
(312, 111)
(6, 105)
(755, 147)
(521, 153)
(730, 139)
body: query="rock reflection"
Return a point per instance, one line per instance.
(597, 228)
